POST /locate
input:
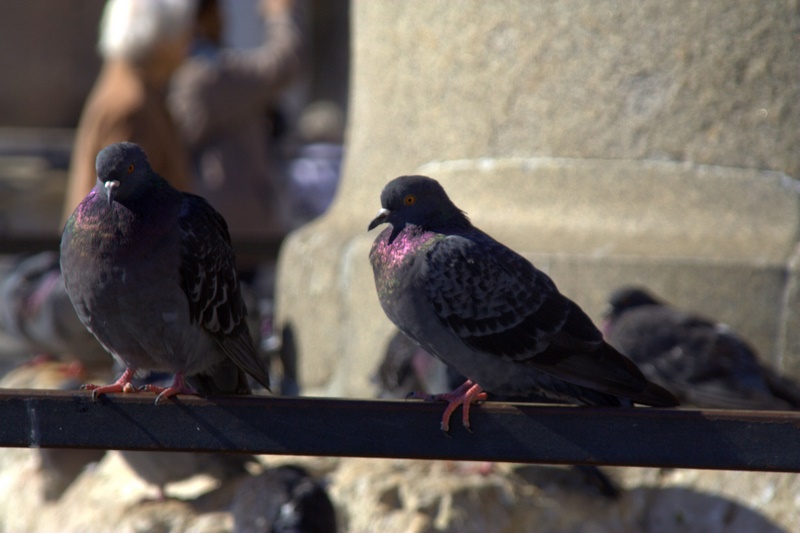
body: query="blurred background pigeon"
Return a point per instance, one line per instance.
(36, 312)
(407, 368)
(286, 499)
(705, 363)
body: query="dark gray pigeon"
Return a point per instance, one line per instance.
(151, 273)
(285, 499)
(705, 363)
(488, 312)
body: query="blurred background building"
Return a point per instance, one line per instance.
(48, 52)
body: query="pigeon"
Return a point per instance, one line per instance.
(285, 499)
(151, 273)
(406, 368)
(705, 363)
(488, 312)
(35, 310)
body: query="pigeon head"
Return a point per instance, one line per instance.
(121, 169)
(420, 201)
(626, 298)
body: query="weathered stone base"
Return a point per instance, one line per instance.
(417, 497)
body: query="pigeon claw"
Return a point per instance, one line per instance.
(102, 389)
(163, 392)
(178, 386)
(465, 395)
(123, 384)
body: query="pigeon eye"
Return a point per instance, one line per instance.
(130, 168)
(410, 199)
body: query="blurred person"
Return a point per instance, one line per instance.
(223, 101)
(142, 42)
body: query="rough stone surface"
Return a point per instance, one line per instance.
(416, 496)
(711, 83)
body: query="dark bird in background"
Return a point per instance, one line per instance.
(286, 499)
(705, 363)
(488, 312)
(35, 310)
(151, 273)
(407, 368)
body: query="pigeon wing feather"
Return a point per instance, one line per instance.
(208, 277)
(497, 302)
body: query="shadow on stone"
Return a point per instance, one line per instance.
(688, 511)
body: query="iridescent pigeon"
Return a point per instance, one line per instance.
(151, 273)
(488, 312)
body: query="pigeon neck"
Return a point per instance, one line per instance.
(148, 197)
(447, 221)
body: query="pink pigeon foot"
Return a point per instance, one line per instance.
(123, 384)
(465, 395)
(178, 386)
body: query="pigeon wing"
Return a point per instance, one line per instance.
(208, 277)
(493, 299)
(497, 302)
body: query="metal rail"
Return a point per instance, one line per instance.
(524, 433)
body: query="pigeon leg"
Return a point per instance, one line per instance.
(178, 386)
(123, 384)
(465, 395)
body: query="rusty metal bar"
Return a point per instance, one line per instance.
(524, 433)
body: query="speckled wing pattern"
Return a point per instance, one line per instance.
(208, 277)
(497, 302)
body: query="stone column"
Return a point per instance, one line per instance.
(610, 142)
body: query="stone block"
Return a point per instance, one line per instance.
(609, 142)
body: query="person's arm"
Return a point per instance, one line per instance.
(210, 95)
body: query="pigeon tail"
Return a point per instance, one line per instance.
(604, 370)
(655, 396)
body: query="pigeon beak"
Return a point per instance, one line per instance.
(379, 219)
(111, 190)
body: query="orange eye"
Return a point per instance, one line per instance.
(130, 168)
(410, 199)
